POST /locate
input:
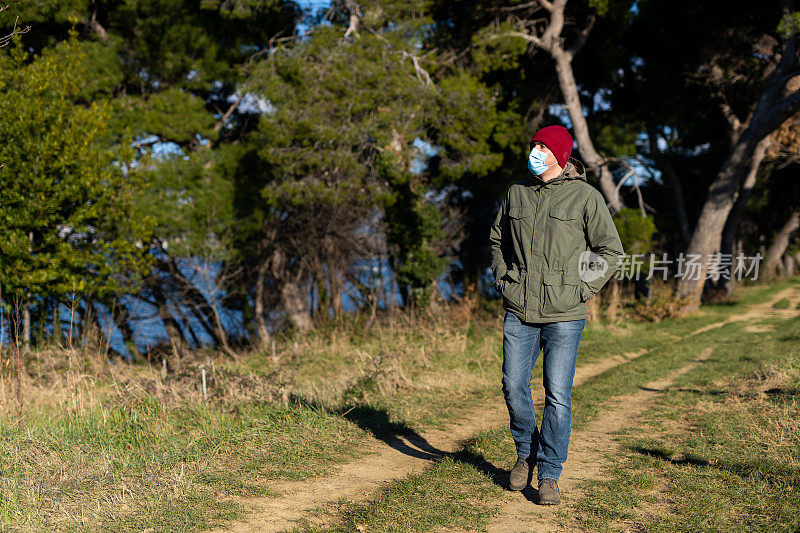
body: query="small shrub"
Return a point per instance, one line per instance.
(662, 305)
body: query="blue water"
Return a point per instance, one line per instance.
(148, 329)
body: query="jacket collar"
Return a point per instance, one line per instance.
(573, 170)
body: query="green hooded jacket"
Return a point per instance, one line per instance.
(541, 241)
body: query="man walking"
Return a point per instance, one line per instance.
(554, 246)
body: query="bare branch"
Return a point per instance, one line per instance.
(535, 4)
(524, 35)
(4, 40)
(228, 113)
(729, 114)
(421, 73)
(632, 172)
(97, 28)
(355, 13)
(547, 5)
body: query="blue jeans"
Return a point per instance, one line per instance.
(521, 345)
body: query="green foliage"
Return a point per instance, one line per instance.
(156, 115)
(102, 68)
(413, 225)
(64, 225)
(190, 201)
(466, 142)
(616, 134)
(494, 53)
(635, 231)
(340, 133)
(789, 25)
(330, 152)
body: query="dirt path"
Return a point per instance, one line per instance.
(399, 456)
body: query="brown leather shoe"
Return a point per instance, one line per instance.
(520, 475)
(549, 494)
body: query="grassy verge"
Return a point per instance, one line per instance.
(146, 465)
(721, 451)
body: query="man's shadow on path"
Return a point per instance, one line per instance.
(406, 440)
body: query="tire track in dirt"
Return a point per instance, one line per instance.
(398, 456)
(759, 312)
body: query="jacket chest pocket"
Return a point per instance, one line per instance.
(520, 215)
(564, 235)
(565, 216)
(521, 221)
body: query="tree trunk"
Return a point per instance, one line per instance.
(336, 294)
(88, 333)
(594, 161)
(789, 265)
(186, 319)
(56, 322)
(26, 325)
(170, 324)
(773, 108)
(729, 230)
(259, 318)
(779, 244)
(706, 238)
(207, 310)
(613, 300)
(294, 301)
(121, 318)
(102, 340)
(552, 42)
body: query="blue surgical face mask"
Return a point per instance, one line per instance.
(536, 162)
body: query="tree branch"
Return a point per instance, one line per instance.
(729, 114)
(535, 4)
(5, 39)
(355, 13)
(524, 35)
(97, 28)
(422, 75)
(547, 4)
(228, 113)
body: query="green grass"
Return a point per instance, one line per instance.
(783, 303)
(144, 465)
(452, 493)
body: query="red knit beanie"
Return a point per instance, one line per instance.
(558, 140)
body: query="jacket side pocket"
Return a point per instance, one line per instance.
(561, 292)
